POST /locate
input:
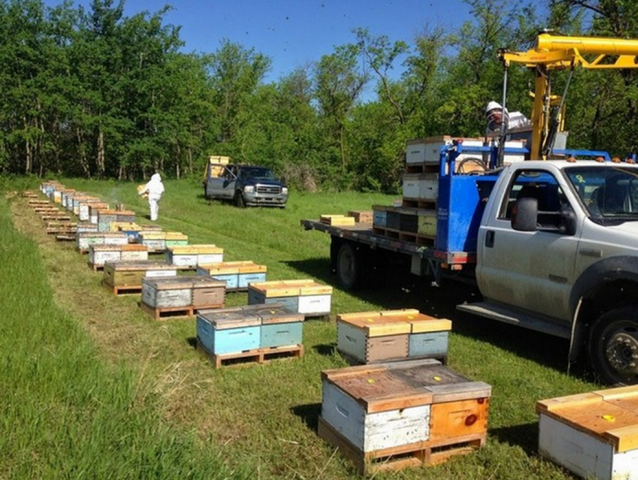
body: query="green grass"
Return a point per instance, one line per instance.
(115, 366)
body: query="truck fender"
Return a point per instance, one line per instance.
(593, 279)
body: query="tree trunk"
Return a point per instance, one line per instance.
(82, 153)
(101, 168)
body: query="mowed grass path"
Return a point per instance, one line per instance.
(260, 419)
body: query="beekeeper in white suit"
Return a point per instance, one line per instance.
(154, 189)
(495, 118)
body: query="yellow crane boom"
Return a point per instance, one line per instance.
(553, 52)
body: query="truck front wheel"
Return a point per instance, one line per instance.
(613, 346)
(350, 266)
(239, 200)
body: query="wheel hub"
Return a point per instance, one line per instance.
(622, 351)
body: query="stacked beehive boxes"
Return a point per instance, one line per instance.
(303, 296)
(127, 277)
(237, 275)
(256, 332)
(101, 254)
(183, 296)
(193, 255)
(400, 414)
(371, 337)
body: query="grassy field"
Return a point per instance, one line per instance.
(90, 384)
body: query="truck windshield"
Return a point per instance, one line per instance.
(256, 172)
(607, 192)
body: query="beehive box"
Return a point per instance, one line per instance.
(133, 230)
(167, 292)
(100, 254)
(228, 330)
(94, 209)
(131, 273)
(361, 216)
(594, 435)
(379, 216)
(86, 239)
(153, 240)
(86, 227)
(303, 296)
(421, 186)
(174, 239)
(193, 255)
(237, 275)
(371, 337)
(106, 217)
(337, 220)
(428, 150)
(402, 413)
(84, 210)
(276, 326)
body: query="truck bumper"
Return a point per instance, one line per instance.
(265, 200)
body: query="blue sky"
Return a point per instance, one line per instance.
(295, 33)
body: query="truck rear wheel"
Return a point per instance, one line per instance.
(350, 266)
(613, 346)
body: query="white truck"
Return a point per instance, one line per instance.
(551, 244)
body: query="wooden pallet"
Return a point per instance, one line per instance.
(124, 290)
(418, 203)
(258, 355)
(65, 238)
(164, 313)
(423, 240)
(398, 458)
(64, 218)
(95, 267)
(422, 168)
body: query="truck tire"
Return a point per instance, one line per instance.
(350, 266)
(239, 200)
(613, 346)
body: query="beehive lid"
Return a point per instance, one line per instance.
(227, 318)
(396, 385)
(106, 248)
(422, 323)
(101, 235)
(146, 235)
(290, 288)
(169, 283)
(610, 415)
(202, 281)
(276, 313)
(194, 249)
(99, 206)
(176, 236)
(377, 324)
(114, 213)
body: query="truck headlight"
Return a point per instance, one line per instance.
(284, 190)
(249, 189)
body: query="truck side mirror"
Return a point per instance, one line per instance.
(525, 214)
(568, 226)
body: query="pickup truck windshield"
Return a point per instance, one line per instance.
(607, 192)
(259, 173)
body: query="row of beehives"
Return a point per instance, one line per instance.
(394, 414)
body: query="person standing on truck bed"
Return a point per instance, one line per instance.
(496, 118)
(154, 188)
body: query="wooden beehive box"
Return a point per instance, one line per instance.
(94, 209)
(153, 240)
(303, 296)
(193, 255)
(106, 217)
(337, 220)
(279, 325)
(228, 330)
(370, 337)
(86, 239)
(167, 292)
(595, 435)
(174, 239)
(411, 408)
(131, 274)
(100, 254)
(421, 186)
(237, 275)
(208, 292)
(84, 209)
(361, 216)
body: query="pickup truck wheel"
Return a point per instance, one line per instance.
(613, 346)
(349, 266)
(239, 200)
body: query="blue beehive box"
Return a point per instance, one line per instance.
(280, 326)
(237, 275)
(228, 330)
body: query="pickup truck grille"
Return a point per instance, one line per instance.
(268, 189)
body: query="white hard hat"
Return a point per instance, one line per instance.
(492, 106)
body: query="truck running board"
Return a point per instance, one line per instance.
(515, 317)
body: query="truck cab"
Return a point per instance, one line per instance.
(244, 185)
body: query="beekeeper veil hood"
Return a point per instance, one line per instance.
(156, 177)
(491, 107)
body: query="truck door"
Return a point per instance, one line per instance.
(221, 182)
(529, 270)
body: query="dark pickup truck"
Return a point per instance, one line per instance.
(244, 185)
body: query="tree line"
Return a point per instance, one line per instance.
(95, 93)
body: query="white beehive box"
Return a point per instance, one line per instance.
(595, 435)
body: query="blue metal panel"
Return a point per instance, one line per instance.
(246, 278)
(231, 279)
(429, 344)
(281, 334)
